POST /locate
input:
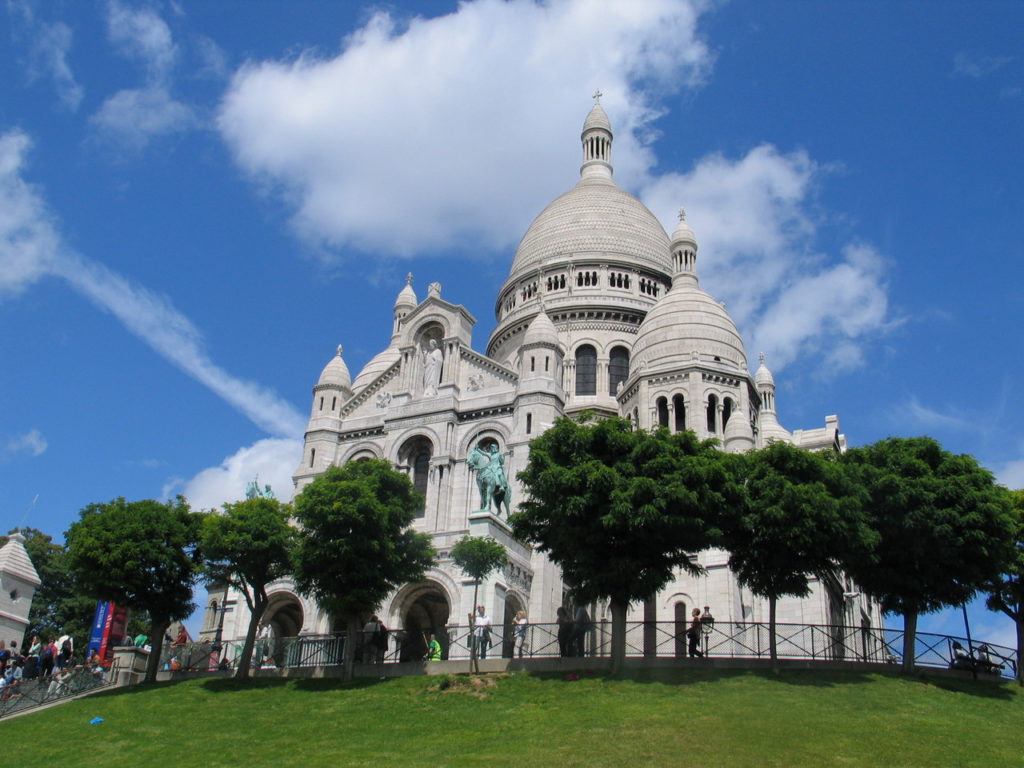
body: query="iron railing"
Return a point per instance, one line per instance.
(28, 694)
(723, 639)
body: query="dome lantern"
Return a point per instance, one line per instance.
(597, 143)
(684, 250)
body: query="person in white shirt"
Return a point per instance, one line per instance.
(482, 630)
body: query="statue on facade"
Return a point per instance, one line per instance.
(252, 490)
(489, 465)
(432, 360)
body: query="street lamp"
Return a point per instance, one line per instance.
(707, 624)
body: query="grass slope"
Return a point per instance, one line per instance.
(698, 718)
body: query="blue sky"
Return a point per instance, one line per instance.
(199, 201)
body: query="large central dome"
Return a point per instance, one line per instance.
(595, 218)
(594, 255)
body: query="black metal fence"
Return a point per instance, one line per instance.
(723, 640)
(28, 694)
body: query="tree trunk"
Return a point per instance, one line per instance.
(909, 640)
(1020, 644)
(156, 645)
(349, 657)
(474, 662)
(773, 647)
(618, 608)
(245, 660)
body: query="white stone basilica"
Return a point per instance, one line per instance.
(601, 311)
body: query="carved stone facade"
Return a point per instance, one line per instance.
(601, 311)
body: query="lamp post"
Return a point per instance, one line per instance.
(707, 625)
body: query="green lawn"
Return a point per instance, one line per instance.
(687, 717)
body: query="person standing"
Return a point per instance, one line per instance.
(693, 634)
(433, 649)
(520, 629)
(581, 626)
(482, 631)
(564, 624)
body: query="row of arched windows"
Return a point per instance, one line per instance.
(586, 279)
(556, 282)
(586, 369)
(678, 417)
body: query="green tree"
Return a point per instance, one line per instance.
(248, 546)
(478, 557)
(140, 554)
(800, 514)
(1006, 592)
(57, 607)
(355, 543)
(944, 529)
(619, 510)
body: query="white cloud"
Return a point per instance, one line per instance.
(273, 461)
(978, 66)
(154, 319)
(929, 418)
(28, 240)
(32, 442)
(132, 117)
(49, 45)
(140, 33)
(1011, 474)
(425, 136)
(30, 248)
(753, 218)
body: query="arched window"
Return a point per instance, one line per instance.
(586, 370)
(679, 406)
(416, 456)
(618, 368)
(726, 412)
(662, 405)
(712, 414)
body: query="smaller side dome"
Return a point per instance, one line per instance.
(763, 377)
(336, 373)
(597, 118)
(683, 233)
(407, 296)
(541, 331)
(738, 435)
(380, 363)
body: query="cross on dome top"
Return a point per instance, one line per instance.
(339, 350)
(597, 96)
(682, 214)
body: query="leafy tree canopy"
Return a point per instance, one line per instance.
(248, 545)
(800, 515)
(478, 556)
(620, 509)
(944, 527)
(140, 554)
(356, 544)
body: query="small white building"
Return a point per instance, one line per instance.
(603, 311)
(18, 583)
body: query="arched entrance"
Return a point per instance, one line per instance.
(284, 617)
(512, 606)
(424, 610)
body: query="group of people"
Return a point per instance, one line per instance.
(980, 659)
(572, 632)
(51, 660)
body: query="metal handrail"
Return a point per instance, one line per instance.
(725, 639)
(41, 690)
